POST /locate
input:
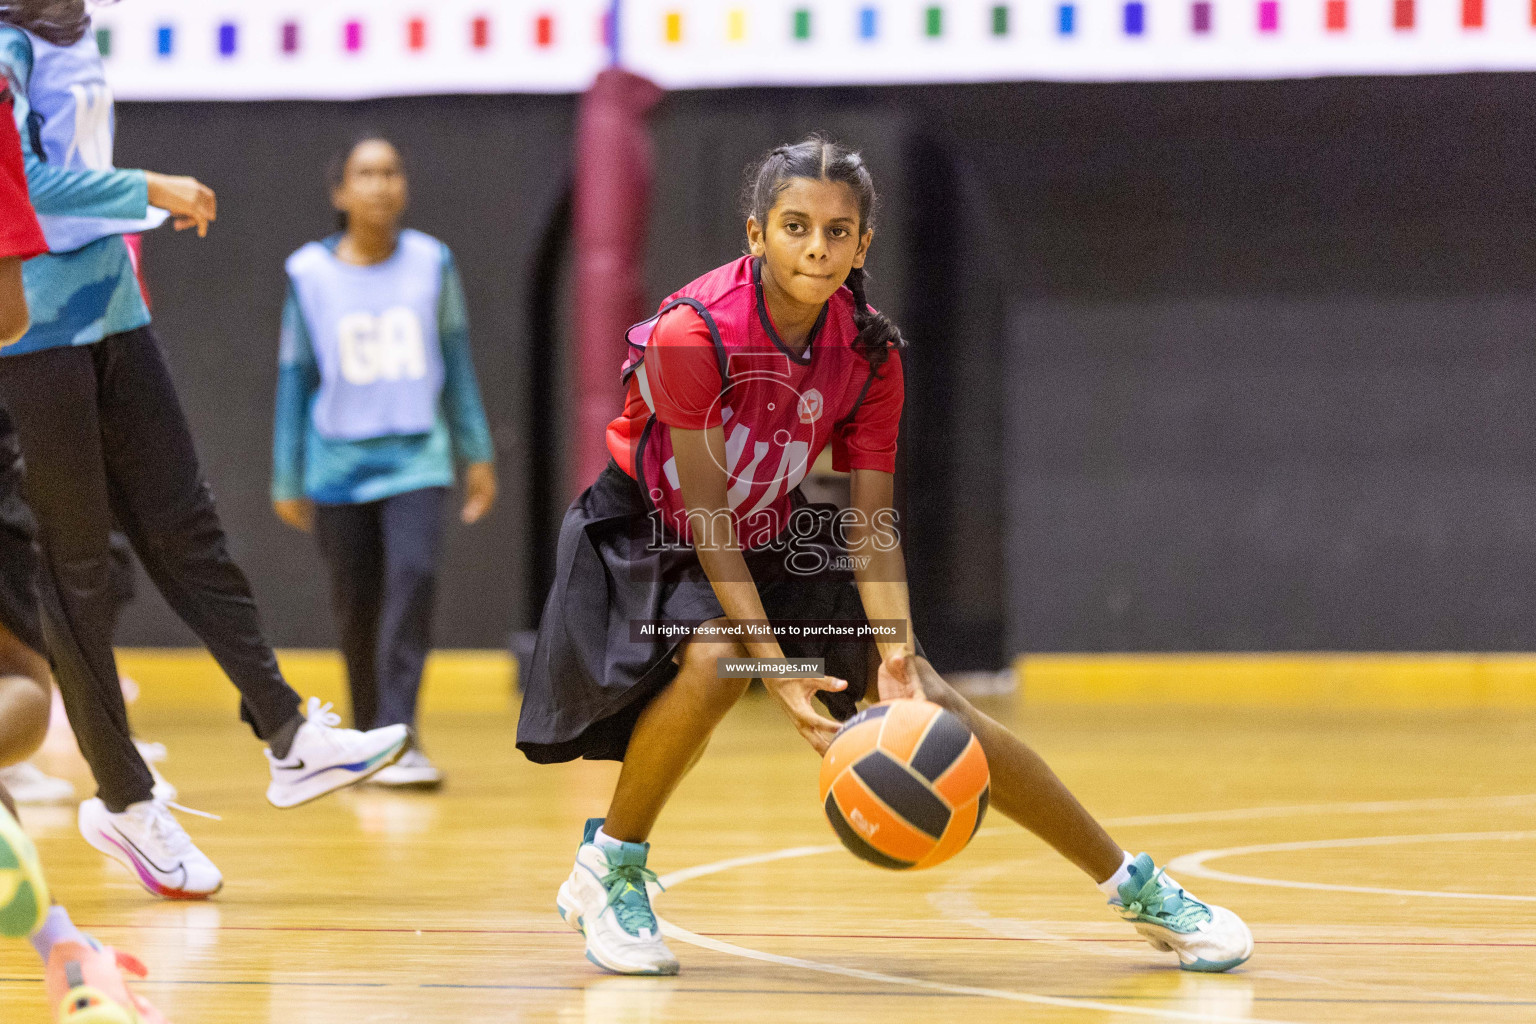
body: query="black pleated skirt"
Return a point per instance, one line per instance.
(591, 675)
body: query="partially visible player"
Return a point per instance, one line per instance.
(376, 402)
(737, 385)
(80, 974)
(105, 437)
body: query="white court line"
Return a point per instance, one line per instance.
(1194, 864)
(1296, 810)
(1367, 807)
(672, 880)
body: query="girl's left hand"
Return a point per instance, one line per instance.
(897, 679)
(797, 698)
(479, 491)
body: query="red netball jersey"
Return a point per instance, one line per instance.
(19, 234)
(711, 357)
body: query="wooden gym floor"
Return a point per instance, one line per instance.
(1382, 859)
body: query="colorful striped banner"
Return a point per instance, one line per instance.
(165, 49)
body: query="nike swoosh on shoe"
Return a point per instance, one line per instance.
(146, 857)
(136, 855)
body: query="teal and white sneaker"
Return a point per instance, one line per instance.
(605, 900)
(1206, 937)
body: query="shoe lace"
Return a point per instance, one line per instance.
(167, 831)
(321, 714)
(192, 810)
(1162, 899)
(627, 896)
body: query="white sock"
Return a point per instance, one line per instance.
(57, 927)
(604, 841)
(1111, 886)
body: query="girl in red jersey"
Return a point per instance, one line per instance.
(734, 389)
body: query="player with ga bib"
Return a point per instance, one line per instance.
(733, 390)
(376, 401)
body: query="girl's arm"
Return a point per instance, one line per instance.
(298, 377)
(882, 580)
(700, 458)
(118, 194)
(462, 407)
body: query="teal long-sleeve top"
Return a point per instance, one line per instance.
(78, 297)
(335, 472)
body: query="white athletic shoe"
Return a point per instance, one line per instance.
(29, 784)
(1205, 937)
(605, 899)
(324, 758)
(150, 842)
(412, 771)
(153, 754)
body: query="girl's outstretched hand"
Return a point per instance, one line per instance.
(798, 698)
(189, 202)
(479, 491)
(897, 679)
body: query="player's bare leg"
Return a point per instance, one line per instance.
(1205, 937)
(1025, 788)
(671, 733)
(605, 897)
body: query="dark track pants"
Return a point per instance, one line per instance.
(383, 559)
(103, 434)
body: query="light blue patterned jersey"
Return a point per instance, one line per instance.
(64, 116)
(307, 463)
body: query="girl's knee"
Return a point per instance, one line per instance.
(700, 669)
(27, 707)
(17, 659)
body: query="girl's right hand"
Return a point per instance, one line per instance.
(798, 698)
(298, 513)
(189, 201)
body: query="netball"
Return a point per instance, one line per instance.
(23, 892)
(905, 785)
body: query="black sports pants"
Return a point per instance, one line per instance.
(103, 434)
(383, 558)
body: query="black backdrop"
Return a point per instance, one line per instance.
(1327, 219)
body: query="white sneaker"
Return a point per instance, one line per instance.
(153, 754)
(29, 784)
(605, 899)
(324, 758)
(1206, 937)
(412, 771)
(151, 843)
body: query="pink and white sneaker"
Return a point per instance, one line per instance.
(149, 841)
